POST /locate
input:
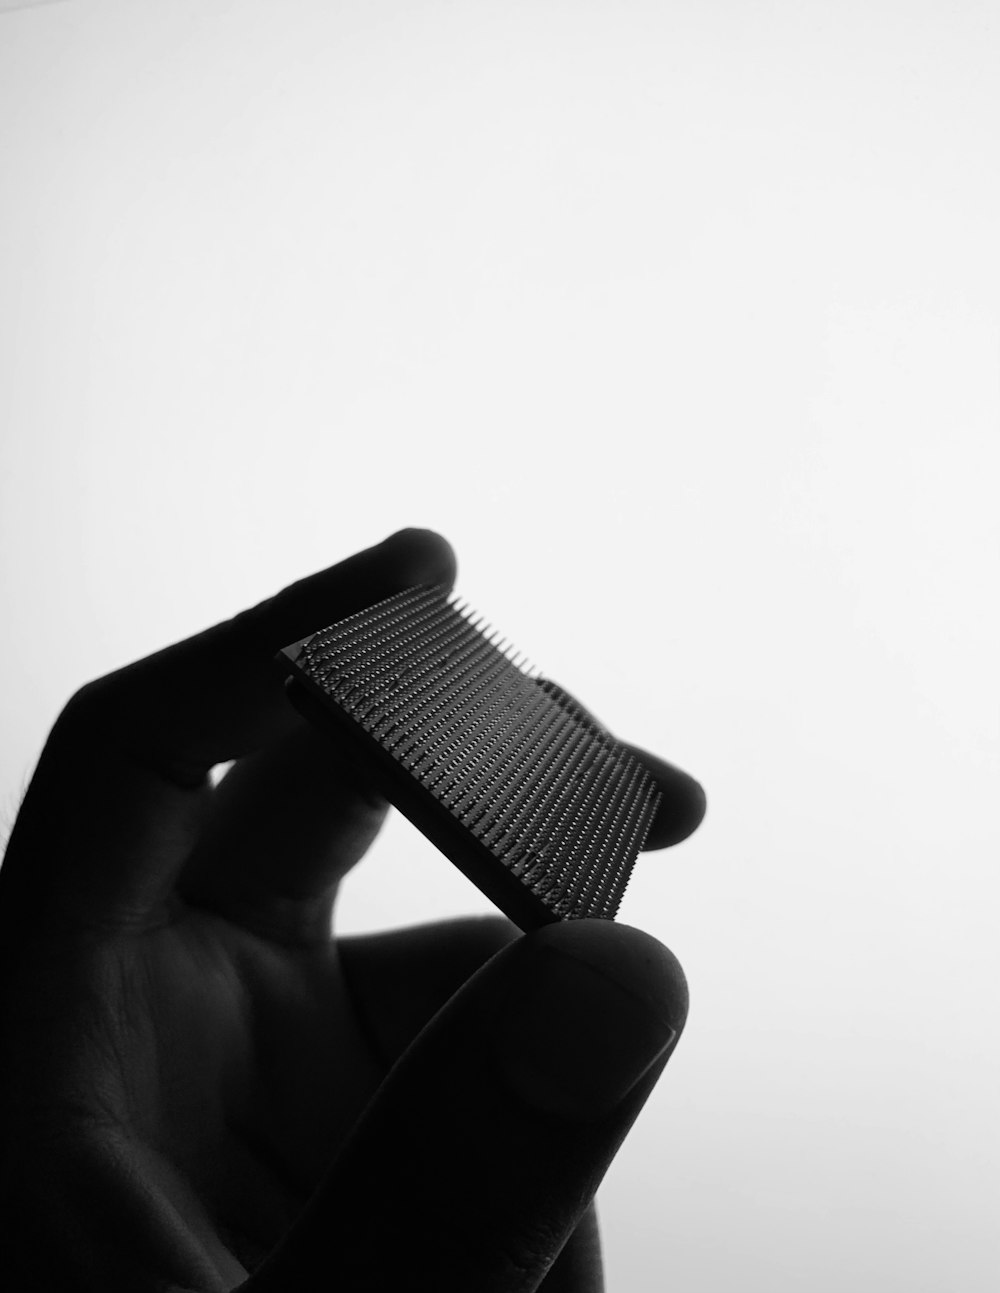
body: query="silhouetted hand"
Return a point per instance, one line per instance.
(201, 1089)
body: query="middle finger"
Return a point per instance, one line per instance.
(285, 825)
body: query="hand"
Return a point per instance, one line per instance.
(201, 1089)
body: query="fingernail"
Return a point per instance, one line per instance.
(573, 1041)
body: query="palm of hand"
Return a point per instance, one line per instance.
(222, 1068)
(219, 1067)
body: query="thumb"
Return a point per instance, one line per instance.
(483, 1148)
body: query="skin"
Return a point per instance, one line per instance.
(204, 1089)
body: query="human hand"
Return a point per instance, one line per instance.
(202, 1089)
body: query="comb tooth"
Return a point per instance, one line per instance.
(447, 711)
(506, 771)
(616, 863)
(476, 773)
(573, 821)
(408, 664)
(605, 811)
(634, 830)
(538, 817)
(498, 705)
(424, 678)
(360, 646)
(499, 752)
(475, 621)
(614, 876)
(506, 706)
(450, 695)
(532, 817)
(395, 730)
(565, 784)
(529, 669)
(379, 621)
(623, 870)
(452, 752)
(409, 643)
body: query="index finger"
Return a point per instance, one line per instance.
(116, 800)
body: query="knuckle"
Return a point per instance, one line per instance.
(93, 714)
(83, 710)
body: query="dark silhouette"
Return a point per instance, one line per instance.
(203, 1090)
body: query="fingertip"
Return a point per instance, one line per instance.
(683, 804)
(633, 959)
(406, 558)
(593, 1008)
(509, 1105)
(424, 554)
(682, 807)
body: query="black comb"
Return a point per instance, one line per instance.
(536, 803)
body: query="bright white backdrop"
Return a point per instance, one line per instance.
(682, 321)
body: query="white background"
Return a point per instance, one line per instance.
(682, 321)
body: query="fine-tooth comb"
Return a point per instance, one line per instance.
(526, 794)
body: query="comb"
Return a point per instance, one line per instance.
(499, 767)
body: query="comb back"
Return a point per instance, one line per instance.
(541, 807)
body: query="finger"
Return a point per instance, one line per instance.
(433, 962)
(398, 979)
(682, 806)
(579, 1268)
(482, 1151)
(120, 791)
(217, 696)
(285, 826)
